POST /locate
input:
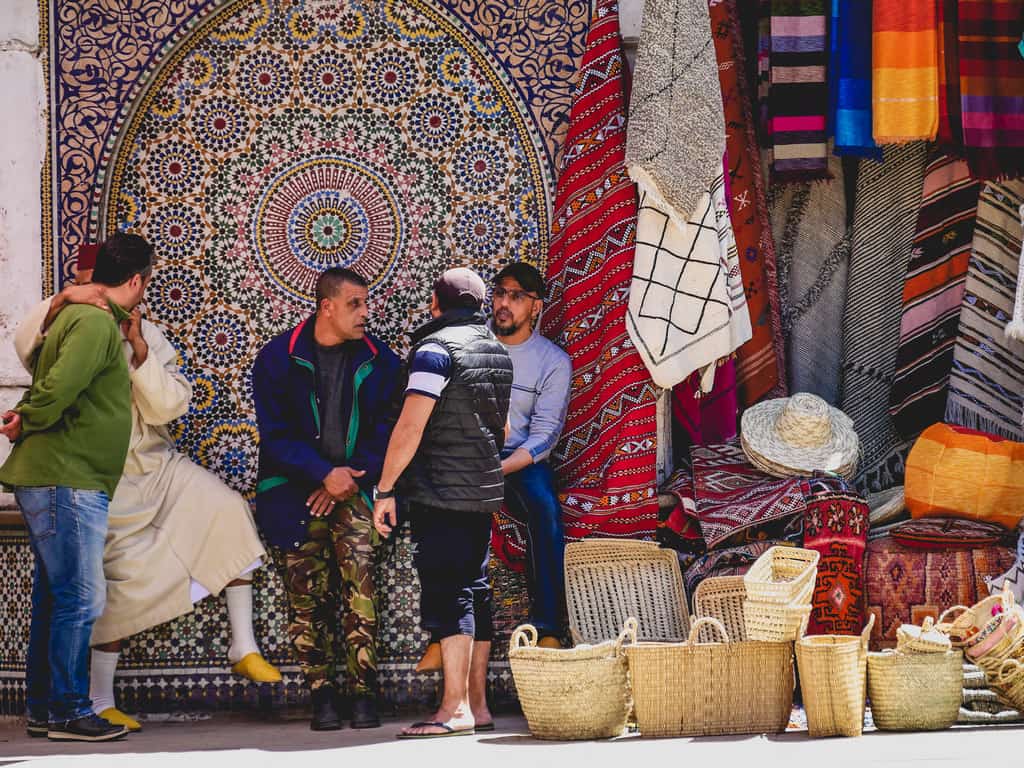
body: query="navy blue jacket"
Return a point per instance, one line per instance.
(291, 466)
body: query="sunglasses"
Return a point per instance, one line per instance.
(512, 293)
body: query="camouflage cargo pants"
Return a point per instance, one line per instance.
(329, 581)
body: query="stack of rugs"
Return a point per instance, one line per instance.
(737, 499)
(955, 540)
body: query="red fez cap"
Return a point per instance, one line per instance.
(87, 255)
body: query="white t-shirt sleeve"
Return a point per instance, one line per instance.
(430, 371)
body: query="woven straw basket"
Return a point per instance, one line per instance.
(722, 598)
(608, 581)
(915, 691)
(833, 672)
(711, 689)
(782, 575)
(923, 639)
(574, 693)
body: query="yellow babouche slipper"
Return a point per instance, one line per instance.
(115, 716)
(257, 669)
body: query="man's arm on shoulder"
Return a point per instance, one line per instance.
(161, 391)
(85, 350)
(279, 438)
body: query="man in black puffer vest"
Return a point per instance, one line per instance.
(444, 456)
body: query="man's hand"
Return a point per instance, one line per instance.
(10, 425)
(320, 503)
(132, 330)
(385, 515)
(340, 482)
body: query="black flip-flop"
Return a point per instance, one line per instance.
(449, 731)
(485, 727)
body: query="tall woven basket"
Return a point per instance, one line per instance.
(574, 693)
(915, 691)
(711, 689)
(833, 672)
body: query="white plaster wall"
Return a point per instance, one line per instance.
(22, 150)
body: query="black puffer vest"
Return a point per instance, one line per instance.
(457, 465)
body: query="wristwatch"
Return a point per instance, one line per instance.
(379, 494)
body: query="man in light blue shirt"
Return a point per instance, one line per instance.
(542, 373)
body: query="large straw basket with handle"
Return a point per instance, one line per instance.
(573, 693)
(711, 689)
(833, 673)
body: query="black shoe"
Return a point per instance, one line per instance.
(325, 710)
(88, 728)
(364, 712)
(37, 728)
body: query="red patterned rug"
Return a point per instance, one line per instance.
(738, 503)
(606, 457)
(905, 585)
(836, 526)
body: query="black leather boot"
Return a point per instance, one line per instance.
(325, 709)
(364, 712)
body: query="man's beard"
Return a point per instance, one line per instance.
(506, 330)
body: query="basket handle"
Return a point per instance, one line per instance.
(525, 636)
(629, 632)
(707, 621)
(865, 635)
(1006, 596)
(1015, 666)
(927, 625)
(945, 614)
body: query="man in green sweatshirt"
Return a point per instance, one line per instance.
(70, 434)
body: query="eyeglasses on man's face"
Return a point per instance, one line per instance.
(513, 294)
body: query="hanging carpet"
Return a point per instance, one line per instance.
(606, 456)
(932, 293)
(888, 199)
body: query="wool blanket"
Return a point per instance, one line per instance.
(687, 308)
(607, 453)
(810, 225)
(932, 293)
(992, 86)
(676, 137)
(849, 79)
(951, 129)
(735, 499)
(798, 94)
(905, 71)
(888, 199)
(836, 526)
(731, 561)
(760, 363)
(906, 585)
(986, 386)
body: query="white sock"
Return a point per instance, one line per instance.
(101, 679)
(243, 640)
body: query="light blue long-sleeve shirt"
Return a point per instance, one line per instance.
(541, 376)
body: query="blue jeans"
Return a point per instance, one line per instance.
(530, 498)
(67, 528)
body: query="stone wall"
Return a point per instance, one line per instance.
(22, 151)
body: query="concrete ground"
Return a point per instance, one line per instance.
(234, 742)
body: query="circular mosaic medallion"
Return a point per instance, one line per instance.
(280, 139)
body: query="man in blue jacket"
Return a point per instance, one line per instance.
(325, 393)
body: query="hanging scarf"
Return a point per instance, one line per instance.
(710, 418)
(932, 293)
(992, 86)
(798, 96)
(951, 130)
(760, 362)
(606, 455)
(849, 79)
(905, 88)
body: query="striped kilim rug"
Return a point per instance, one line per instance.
(888, 199)
(986, 387)
(932, 294)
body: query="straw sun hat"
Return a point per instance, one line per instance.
(799, 435)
